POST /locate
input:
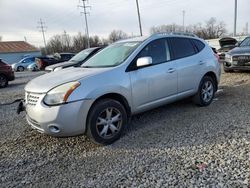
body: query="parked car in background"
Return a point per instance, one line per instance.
(32, 67)
(23, 64)
(45, 61)
(226, 44)
(239, 57)
(75, 61)
(125, 78)
(6, 74)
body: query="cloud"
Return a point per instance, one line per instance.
(19, 18)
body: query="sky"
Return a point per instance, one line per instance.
(19, 18)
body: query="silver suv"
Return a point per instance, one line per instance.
(125, 78)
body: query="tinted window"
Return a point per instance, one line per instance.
(198, 44)
(28, 60)
(158, 50)
(182, 47)
(245, 42)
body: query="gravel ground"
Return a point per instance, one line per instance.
(175, 145)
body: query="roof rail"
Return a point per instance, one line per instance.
(176, 33)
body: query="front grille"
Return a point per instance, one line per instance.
(241, 58)
(32, 98)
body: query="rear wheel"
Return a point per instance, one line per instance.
(206, 91)
(106, 121)
(20, 68)
(3, 81)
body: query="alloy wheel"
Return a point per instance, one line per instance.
(109, 122)
(207, 91)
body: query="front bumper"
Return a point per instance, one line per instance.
(11, 76)
(62, 120)
(235, 66)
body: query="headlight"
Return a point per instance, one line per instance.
(60, 94)
(228, 57)
(58, 68)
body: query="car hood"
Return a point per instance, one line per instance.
(240, 50)
(14, 64)
(46, 82)
(227, 41)
(64, 64)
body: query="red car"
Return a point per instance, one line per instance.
(6, 74)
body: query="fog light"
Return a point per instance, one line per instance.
(54, 129)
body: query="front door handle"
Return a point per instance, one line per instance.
(171, 70)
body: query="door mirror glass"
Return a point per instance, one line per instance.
(143, 61)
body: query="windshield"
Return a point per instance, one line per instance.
(245, 42)
(112, 55)
(81, 55)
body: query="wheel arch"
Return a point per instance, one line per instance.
(213, 76)
(115, 96)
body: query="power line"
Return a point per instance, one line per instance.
(139, 17)
(42, 28)
(84, 7)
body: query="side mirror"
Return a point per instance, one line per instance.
(144, 61)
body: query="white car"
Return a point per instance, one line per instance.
(32, 67)
(23, 64)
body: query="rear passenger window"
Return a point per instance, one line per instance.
(182, 47)
(158, 50)
(198, 44)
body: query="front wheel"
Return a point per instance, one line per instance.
(206, 91)
(3, 81)
(20, 69)
(106, 121)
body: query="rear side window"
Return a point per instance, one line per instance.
(198, 44)
(182, 47)
(158, 50)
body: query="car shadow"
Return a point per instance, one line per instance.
(179, 124)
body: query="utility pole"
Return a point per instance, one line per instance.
(42, 28)
(235, 17)
(183, 20)
(66, 38)
(84, 7)
(139, 17)
(247, 28)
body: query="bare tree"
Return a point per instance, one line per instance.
(211, 30)
(166, 28)
(117, 35)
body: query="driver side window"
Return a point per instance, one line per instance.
(158, 50)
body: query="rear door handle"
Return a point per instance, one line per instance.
(201, 62)
(171, 70)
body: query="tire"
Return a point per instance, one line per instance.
(100, 127)
(3, 81)
(227, 70)
(20, 69)
(206, 91)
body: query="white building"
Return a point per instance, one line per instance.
(14, 51)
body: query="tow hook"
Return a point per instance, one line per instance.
(21, 107)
